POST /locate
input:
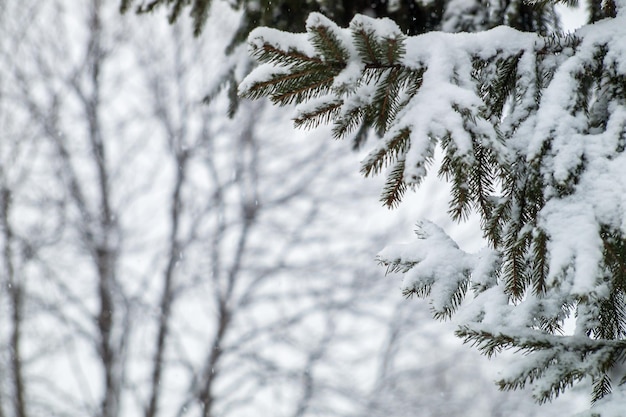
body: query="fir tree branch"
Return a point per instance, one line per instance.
(268, 53)
(347, 122)
(393, 149)
(367, 46)
(601, 388)
(285, 96)
(540, 262)
(327, 44)
(395, 187)
(386, 98)
(298, 86)
(320, 115)
(420, 291)
(451, 305)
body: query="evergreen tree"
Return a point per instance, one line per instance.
(412, 16)
(533, 130)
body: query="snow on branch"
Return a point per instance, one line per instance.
(533, 133)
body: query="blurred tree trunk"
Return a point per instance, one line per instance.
(88, 198)
(179, 154)
(100, 234)
(100, 239)
(15, 292)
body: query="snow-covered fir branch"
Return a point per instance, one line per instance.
(532, 127)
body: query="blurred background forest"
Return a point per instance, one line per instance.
(158, 258)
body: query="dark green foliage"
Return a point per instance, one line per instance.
(307, 77)
(328, 45)
(413, 17)
(539, 271)
(322, 115)
(600, 9)
(522, 199)
(396, 147)
(566, 360)
(395, 186)
(530, 17)
(601, 387)
(349, 120)
(496, 88)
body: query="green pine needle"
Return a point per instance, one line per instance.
(601, 388)
(396, 148)
(395, 186)
(271, 54)
(328, 45)
(319, 116)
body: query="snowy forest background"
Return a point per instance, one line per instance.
(161, 259)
